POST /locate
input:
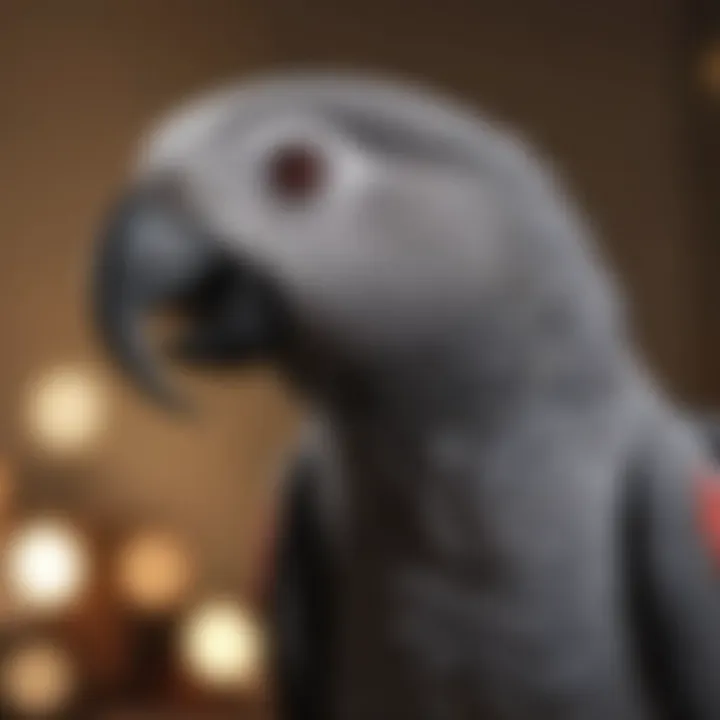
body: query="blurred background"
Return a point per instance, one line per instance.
(130, 539)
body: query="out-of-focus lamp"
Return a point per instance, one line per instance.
(155, 572)
(46, 565)
(710, 69)
(38, 680)
(67, 410)
(222, 646)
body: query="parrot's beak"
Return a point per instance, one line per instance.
(153, 255)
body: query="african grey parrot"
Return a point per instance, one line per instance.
(495, 512)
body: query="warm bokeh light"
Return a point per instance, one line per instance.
(710, 69)
(155, 571)
(38, 680)
(67, 409)
(222, 646)
(46, 565)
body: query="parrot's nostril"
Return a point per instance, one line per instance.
(296, 172)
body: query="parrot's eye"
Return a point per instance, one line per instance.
(296, 173)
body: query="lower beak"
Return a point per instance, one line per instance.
(153, 256)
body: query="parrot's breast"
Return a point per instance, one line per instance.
(480, 578)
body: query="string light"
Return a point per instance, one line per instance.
(155, 572)
(222, 646)
(67, 409)
(38, 680)
(46, 565)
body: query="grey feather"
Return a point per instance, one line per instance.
(468, 353)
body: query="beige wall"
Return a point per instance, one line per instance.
(78, 80)
(593, 82)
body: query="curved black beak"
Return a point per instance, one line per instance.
(153, 255)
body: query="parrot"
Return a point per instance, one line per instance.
(495, 510)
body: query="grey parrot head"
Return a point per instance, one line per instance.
(357, 217)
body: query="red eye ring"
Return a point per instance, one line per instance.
(296, 172)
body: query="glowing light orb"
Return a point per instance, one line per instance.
(38, 680)
(222, 646)
(710, 69)
(67, 409)
(46, 565)
(155, 572)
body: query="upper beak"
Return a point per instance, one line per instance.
(154, 255)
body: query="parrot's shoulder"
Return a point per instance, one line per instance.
(672, 555)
